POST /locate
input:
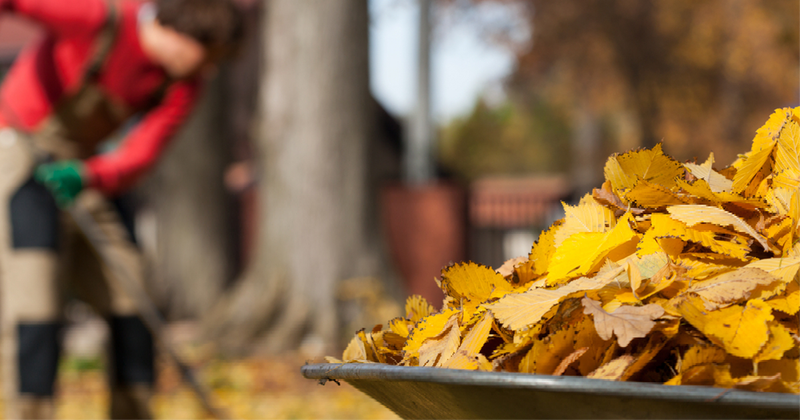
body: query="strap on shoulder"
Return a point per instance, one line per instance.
(104, 42)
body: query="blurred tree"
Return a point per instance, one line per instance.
(514, 138)
(311, 151)
(698, 75)
(186, 221)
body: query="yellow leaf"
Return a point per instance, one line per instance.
(763, 146)
(594, 357)
(650, 244)
(787, 154)
(663, 226)
(757, 383)
(651, 165)
(740, 330)
(702, 190)
(780, 232)
(693, 214)
(518, 310)
(700, 355)
(588, 216)
(620, 180)
(605, 195)
(652, 196)
(789, 303)
(526, 272)
(656, 341)
(467, 362)
(394, 341)
(548, 352)
(779, 342)
(705, 374)
(731, 287)
(355, 350)
(635, 279)
(787, 179)
(472, 281)
(753, 165)
(417, 308)
(778, 200)
(475, 339)
(783, 268)
(627, 322)
(543, 249)
(716, 181)
(583, 253)
(702, 269)
(613, 370)
(788, 368)
(400, 326)
(650, 264)
(429, 327)
(437, 350)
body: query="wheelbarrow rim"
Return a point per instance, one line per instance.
(567, 384)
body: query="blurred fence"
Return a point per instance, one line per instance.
(506, 215)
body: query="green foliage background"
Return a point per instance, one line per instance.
(511, 139)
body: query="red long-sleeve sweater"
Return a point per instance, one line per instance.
(128, 76)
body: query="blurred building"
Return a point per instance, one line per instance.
(506, 215)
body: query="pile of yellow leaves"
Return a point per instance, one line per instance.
(670, 273)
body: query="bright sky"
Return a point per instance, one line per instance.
(464, 66)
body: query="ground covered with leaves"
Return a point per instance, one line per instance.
(256, 388)
(670, 272)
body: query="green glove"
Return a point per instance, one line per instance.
(64, 180)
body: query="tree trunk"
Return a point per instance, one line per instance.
(312, 139)
(187, 217)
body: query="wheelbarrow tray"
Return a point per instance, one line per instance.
(435, 393)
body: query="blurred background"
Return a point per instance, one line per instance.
(355, 147)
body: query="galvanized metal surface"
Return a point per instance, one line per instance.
(419, 392)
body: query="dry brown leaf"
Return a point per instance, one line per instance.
(731, 287)
(507, 269)
(572, 358)
(627, 322)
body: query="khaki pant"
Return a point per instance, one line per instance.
(44, 257)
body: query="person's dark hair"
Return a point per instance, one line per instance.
(216, 24)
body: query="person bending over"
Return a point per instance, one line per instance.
(99, 63)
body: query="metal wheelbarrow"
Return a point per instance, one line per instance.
(436, 393)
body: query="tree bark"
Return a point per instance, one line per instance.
(186, 222)
(311, 149)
